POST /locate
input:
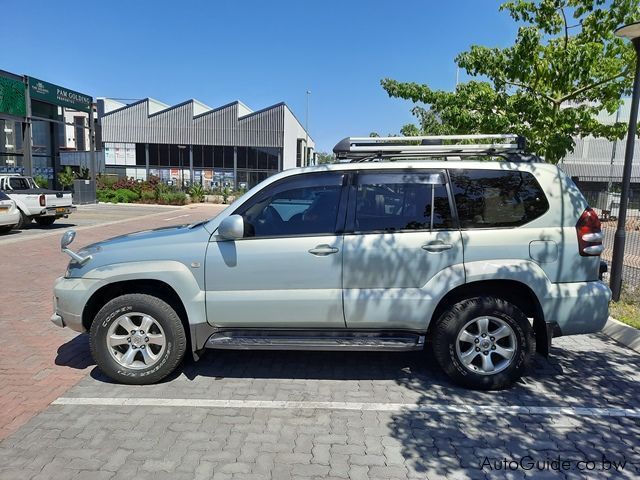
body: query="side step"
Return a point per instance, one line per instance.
(314, 340)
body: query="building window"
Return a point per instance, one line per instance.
(228, 157)
(197, 156)
(78, 127)
(141, 155)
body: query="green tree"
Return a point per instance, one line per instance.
(325, 157)
(565, 67)
(66, 177)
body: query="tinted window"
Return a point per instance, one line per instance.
(306, 205)
(3, 196)
(18, 183)
(495, 198)
(397, 201)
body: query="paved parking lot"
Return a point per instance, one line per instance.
(255, 415)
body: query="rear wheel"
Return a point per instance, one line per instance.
(484, 343)
(24, 221)
(45, 221)
(137, 339)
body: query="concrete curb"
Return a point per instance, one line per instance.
(622, 333)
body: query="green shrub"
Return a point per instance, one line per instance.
(148, 196)
(105, 195)
(41, 181)
(197, 193)
(124, 195)
(172, 198)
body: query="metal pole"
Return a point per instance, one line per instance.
(27, 139)
(306, 131)
(617, 261)
(92, 145)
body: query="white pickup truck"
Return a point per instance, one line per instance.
(35, 203)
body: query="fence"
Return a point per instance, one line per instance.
(607, 204)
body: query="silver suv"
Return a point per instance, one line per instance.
(489, 260)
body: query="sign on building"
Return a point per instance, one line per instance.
(63, 97)
(12, 97)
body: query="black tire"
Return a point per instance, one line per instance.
(463, 313)
(6, 228)
(24, 221)
(163, 314)
(45, 221)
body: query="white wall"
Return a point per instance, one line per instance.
(293, 130)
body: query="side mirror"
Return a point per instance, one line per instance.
(67, 238)
(231, 228)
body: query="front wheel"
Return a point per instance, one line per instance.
(484, 343)
(137, 339)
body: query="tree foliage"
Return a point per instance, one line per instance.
(565, 67)
(324, 157)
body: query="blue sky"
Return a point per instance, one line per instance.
(260, 52)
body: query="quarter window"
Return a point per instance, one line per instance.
(391, 202)
(497, 198)
(301, 206)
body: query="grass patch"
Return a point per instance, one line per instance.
(627, 310)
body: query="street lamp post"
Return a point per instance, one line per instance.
(631, 32)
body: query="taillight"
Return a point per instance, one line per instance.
(589, 234)
(43, 201)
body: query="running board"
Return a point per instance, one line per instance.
(314, 340)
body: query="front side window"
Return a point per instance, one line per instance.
(300, 206)
(497, 198)
(390, 202)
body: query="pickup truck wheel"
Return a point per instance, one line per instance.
(137, 339)
(483, 343)
(24, 221)
(45, 221)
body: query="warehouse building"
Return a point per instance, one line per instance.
(596, 163)
(192, 143)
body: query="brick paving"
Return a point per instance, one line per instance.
(89, 441)
(39, 361)
(247, 442)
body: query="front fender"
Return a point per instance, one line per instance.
(175, 274)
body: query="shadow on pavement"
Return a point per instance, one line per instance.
(75, 353)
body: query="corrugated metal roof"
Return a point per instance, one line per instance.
(149, 121)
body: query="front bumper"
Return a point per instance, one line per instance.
(70, 297)
(576, 308)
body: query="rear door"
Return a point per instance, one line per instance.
(400, 235)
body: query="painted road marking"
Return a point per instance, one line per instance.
(179, 216)
(359, 406)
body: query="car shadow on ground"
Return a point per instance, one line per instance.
(568, 377)
(75, 353)
(54, 226)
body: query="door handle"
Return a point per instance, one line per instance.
(437, 247)
(323, 250)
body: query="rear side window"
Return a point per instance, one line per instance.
(390, 202)
(497, 198)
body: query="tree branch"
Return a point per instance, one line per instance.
(586, 88)
(529, 88)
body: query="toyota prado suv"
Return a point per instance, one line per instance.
(486, 252)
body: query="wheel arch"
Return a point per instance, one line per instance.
(153, 287)
(513, 291)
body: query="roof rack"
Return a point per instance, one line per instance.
(358, 149)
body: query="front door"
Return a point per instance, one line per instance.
(402, 249)
(287, 271)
